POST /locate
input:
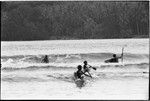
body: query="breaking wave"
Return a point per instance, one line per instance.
(133, 66)
(67, 77)
(64, 59)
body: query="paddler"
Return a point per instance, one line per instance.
(114, 59)
(86, 68)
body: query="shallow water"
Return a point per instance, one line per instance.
(126, 89)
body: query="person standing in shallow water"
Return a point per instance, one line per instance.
(114, 59)
(45, 60)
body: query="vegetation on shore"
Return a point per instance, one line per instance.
(51, 20)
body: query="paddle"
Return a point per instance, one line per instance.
(92, 67)
(122, 55)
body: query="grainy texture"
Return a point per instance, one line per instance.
(49, 20)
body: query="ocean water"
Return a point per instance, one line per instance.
(23, 76)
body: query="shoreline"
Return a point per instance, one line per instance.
(73, 39)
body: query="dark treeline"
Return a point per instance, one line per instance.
(48, 20)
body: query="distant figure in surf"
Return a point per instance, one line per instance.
(45, 60)
(114, 59)
(79, 74)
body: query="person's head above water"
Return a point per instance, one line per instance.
(85, 62)
(114, 55)
(79, 67)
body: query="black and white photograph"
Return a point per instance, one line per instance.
(75, 50)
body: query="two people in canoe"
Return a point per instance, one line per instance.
(79, 74)
(85, 70)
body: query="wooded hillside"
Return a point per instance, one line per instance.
(49, 20)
